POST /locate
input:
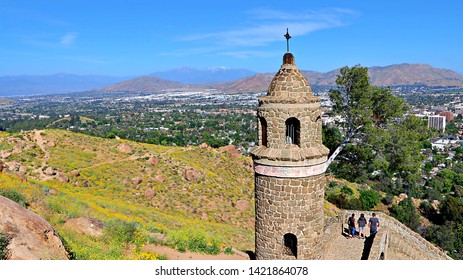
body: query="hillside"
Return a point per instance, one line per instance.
(188, 75)
(146, 84)
(108, 198)
(117, 199)
(410, 74)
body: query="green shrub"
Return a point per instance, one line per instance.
(388, 199)
(228, 251)
(120, 231)
(406, 213)
(347, 190)
(194, 240)
(14, 195)
(340, 200)
(368, 199)
(4, 241)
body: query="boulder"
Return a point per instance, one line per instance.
(203, 146)
(53, 192)
(159, 178)
(62, 177)
(5, 154)
(12, 165)
(137, 180)
(31, 237)
(403, 196)
(22, 169)
(51, 143)
(74, 173)
(243, 205)
(191, 174)
(150, 193)
(224, 217)
(49, 171)
(21, 176)
(153, 161)
(87, 226)
(231, 150)
(125, 148)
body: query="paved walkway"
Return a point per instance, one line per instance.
(343, 248)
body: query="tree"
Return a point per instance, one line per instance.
(368, 199)
(362, 104)
(381, 137)
(406, 213)
(331, 137)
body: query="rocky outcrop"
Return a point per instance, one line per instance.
(191, 174)
(32, 238)
(49, 171)
(137, 180)
(233, 153)
(63, 178)
(125, 148)
(150, 193)
(5, 154)
(88, 226)
(153, 161)
(243, 205)
(159, 178)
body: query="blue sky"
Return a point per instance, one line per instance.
(138, 37)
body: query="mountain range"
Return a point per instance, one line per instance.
(222, 79)
(393, 75)
(26, 85)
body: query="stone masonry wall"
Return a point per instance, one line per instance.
(276, 116)
(289, 205)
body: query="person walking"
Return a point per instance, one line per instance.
(351, 224)
(373, 223)
(362, 222)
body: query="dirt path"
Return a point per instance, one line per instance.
(41, 143)
(172, 254)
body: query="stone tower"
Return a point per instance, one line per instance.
(289, 165)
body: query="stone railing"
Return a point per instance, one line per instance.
(383, 245)
(396, 239)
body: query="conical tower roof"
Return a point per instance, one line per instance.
(289, 85)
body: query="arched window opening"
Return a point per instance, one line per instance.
(263, 127)
(293, 131)
(290, 245)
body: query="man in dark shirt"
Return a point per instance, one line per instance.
(373, 223)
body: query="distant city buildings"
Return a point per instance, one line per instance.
(437, 122)
(448, 115)
(459, 109)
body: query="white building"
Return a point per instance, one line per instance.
(437, 122)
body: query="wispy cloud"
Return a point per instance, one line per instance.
(264, 26)
(49, 40)
(68, 39)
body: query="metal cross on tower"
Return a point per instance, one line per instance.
(287, 36)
